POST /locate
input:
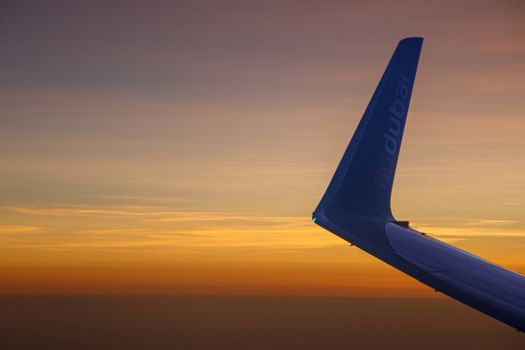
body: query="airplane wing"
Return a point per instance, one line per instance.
(356, 206)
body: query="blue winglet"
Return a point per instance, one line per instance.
(362, 183)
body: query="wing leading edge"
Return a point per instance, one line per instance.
(356, 206)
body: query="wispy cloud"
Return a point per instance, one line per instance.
(156, 226)
(494, 222)
(141, 198)
(160, 213)
(213, 239)
(16, 229)
(106, 211)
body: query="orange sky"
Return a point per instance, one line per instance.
(180, 148)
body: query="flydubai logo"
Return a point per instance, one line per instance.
(392, 134)
(396, 112)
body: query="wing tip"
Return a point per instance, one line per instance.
(414, 41)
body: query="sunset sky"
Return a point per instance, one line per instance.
(181, 146)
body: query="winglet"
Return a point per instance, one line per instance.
(362, 184)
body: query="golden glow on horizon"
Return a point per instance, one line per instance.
(157, 249)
